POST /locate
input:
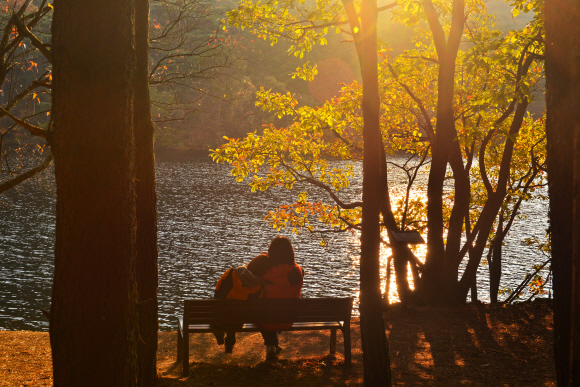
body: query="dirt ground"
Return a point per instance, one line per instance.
(473, 345)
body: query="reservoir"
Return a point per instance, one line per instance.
(207, 222)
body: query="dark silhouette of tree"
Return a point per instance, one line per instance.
(376, 361)
(93, 323)
(563, 132)
(187, 64)
(146, 202)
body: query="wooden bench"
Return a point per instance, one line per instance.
(304, 314)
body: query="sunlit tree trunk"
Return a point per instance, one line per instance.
(374, 341)
(146, 204)
(562, 127)
(93, 326)
(436, 281)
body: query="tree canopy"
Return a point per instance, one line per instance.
(493, 145)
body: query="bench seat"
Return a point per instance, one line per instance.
(250, 327)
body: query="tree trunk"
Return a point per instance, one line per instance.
(93, 325)
(376, 360)
(495, 261)
(400, 251)
(563, 125)
(460, 211)
(575, 285)
(435, 281)
(436, 285)
(493, 204)
(146, 203)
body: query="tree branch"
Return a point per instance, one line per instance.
(436, 28)
(426, 117)
(26, 175)
(34, 130)
(22, 29)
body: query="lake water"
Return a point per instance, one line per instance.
(207, 222)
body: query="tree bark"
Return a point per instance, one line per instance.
(93, 325)
(563, 125)
(146, 203)
(376, 359)
(495, 261)
(436, 285)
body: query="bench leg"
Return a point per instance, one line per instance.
(333, 341)
(347, 349)
(179, 344)
(185, 353)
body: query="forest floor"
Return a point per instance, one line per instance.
(472, 345)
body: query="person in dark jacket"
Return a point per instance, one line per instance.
(283, 280)
(241, 283)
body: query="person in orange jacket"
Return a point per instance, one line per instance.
(283, 280)
(241, 283)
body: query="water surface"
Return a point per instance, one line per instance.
(207, 222)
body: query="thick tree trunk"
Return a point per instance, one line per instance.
(376, 360)
(93, 326)
(436, 285)
(435, 282)
(563, 125)
(147, 271)
(574, 363)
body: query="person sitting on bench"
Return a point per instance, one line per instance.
(283, 280)
(241, 283)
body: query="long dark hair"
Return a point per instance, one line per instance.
(281, 252)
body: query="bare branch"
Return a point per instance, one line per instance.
(22, 29)
(26, 175)
(34, 130)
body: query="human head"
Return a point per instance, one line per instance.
(281, 251)
(260, 265)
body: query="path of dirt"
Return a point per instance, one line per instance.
(473, 345)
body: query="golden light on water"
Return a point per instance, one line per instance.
(419, 251)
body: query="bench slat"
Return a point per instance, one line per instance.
(267, 319)
(193, 328)
(304, 301)
(268, 310)
(270, 304)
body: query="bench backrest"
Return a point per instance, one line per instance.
(280, 310)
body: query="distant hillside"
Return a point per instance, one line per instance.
(261, 65)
